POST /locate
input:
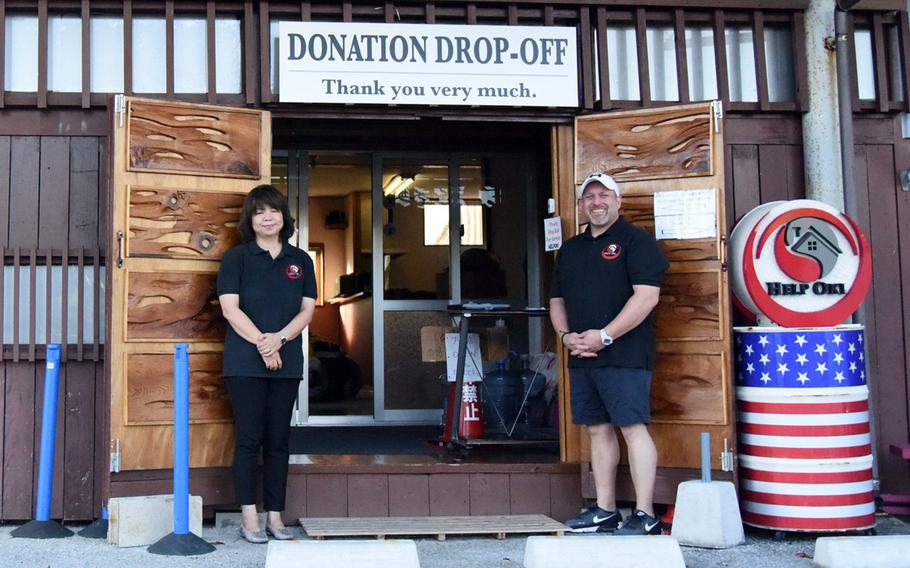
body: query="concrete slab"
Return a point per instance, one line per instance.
(866, 551)
(342, 554)
(707, 515)
(603, 551)
(142, 521)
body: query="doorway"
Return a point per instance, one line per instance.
(393, 252)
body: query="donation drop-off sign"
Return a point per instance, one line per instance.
(418, 64)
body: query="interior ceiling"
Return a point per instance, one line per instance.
(338, 175)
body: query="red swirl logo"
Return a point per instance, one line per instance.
(611, 252)
(293, 271)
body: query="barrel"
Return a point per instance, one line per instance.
(805, 449)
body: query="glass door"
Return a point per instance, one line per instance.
(412, 272)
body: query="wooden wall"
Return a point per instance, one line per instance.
(355, 487)
(51, 195)
(51, 201)
(884, 216)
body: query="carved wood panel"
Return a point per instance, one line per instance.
(674, 143)
(639, 210)
(688, 307)
(688, 388)
(208, 141)
(150, 388)
(173, 305)
(182, 224)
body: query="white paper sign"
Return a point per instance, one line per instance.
(422, 64)
(689, 214)
(552, 230)
(473, 364)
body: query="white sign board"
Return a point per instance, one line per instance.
(421, 64)
(552, 231)
(690, 214)
(473, 364)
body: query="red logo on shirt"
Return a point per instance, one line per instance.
(293, 271)
(611, 252)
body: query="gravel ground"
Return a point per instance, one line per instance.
(761, 550)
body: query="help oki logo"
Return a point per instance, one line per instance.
(799, 263)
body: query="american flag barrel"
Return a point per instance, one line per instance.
(805, 450)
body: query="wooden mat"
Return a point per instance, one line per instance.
(439, 527)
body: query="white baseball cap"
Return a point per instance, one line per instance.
(601, 178)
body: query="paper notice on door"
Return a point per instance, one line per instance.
(473, 364)
(552, 230)
(689, 214)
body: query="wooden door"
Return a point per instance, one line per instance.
(179, 176)
(649, 152)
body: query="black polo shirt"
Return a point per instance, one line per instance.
(595, 275)
(271, 292)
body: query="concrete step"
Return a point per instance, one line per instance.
(342, 554)
(603, 551)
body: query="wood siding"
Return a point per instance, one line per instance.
(884, 215)
(763, 162)
(80, 459)
(51, 190)
(384, 491)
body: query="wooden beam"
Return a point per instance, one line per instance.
(603, 61)
(682, 65)
(644, 68)
(85, 15)
(210, 51)
(42, 53)
(761, 63)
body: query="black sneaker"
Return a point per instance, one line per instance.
(639, 523)
(595, 519)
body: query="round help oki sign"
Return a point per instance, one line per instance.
(799, 263)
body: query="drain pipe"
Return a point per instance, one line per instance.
(848, 159)
(845, 111)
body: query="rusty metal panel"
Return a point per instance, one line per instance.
(150, 383)
(674, 143)
(182, 224)
(175, 138)
(173, 306)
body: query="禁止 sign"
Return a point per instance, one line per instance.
(799, 263)
(418, 64)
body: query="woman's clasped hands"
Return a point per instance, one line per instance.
(268, 345)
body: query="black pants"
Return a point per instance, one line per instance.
(262, 418)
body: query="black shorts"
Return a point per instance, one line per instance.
(604, 395)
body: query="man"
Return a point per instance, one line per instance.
(605, 285)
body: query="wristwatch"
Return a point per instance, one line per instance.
(282, 339)
(605, 338)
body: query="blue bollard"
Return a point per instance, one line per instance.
(181, 542)
(43, 526)
(706, 457)
(181, 440)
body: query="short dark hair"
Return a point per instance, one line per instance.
(264, 196)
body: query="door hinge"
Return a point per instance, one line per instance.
(120, 109)
(115, 455)
(717, 107)
(726, 457)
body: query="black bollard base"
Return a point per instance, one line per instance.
(181, 545)
(42, 529)
(98, 529)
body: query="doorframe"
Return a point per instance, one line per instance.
(298, 196)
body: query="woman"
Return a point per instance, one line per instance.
(267, 290)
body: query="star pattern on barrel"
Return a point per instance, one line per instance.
(804, 359)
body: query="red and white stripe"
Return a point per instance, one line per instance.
(805, 462)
